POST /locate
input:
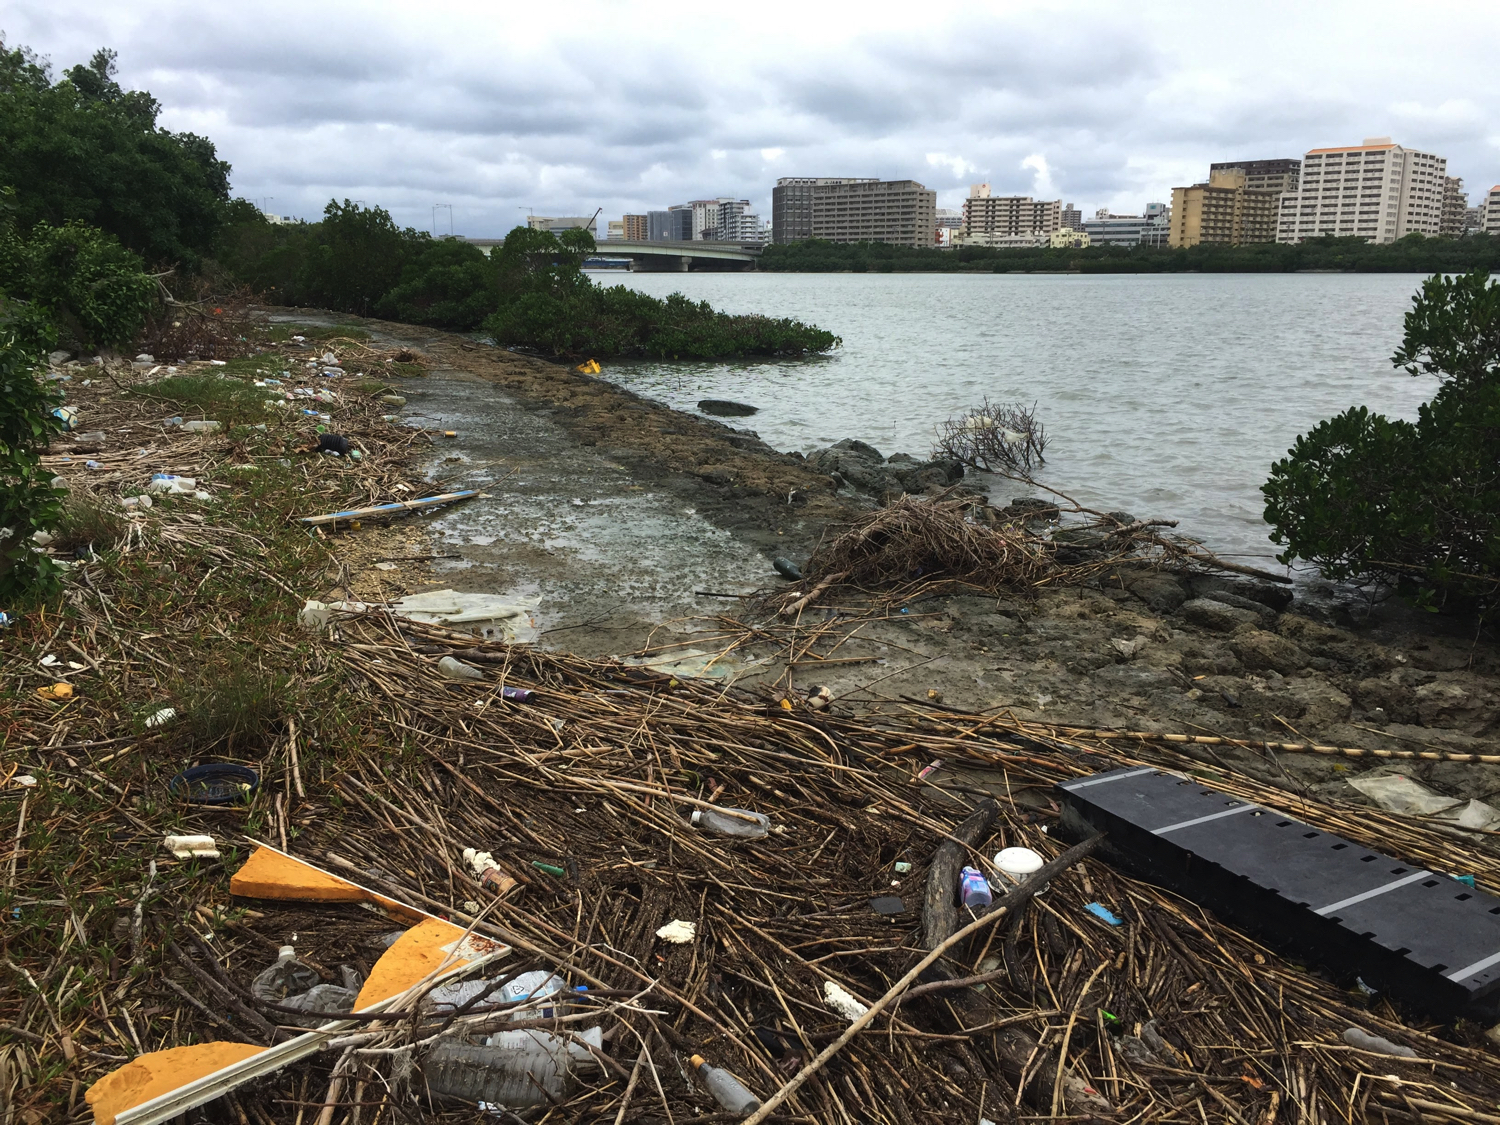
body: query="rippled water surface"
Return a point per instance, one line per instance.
(1163, 395)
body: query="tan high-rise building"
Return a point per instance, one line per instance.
(1223, 210)
(635, 227)
(1009, 215)
(1264, 175)
(1455, 216)
(901, 212)
(1377, 191)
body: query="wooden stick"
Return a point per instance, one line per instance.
(1006, 905)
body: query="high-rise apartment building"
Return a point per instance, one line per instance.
(635, 227)
(1005, 215)
(1455, 216)
(1151, 229)
(792, 205)
(1070, 218)
(1377, 191)
(1489, 212)
(1223, 210)
(1264, 175)
(900, 212)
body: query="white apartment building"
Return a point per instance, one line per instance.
(1489, 212)
(1377, 191)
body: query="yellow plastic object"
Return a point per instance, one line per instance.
(589, 367)
(56, 691)
(269, 874)
(421, 950)
(159, 1072)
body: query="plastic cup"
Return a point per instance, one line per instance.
(1016, 865)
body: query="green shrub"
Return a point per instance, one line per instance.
(95, 291)
(28, 502)
(447, 283)
(1415, 505)
(549, 306)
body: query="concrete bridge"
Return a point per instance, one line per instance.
(674, 257)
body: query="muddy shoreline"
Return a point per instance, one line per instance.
(619, 512)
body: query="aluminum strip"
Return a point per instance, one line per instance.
(1205, 819)
(1477, 967)
(1352, 899)
(1073, 786)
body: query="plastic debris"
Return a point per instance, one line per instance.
(550, 868)
(513, 1070)
(216, 783)
(140, 503)
(192, 847)
(842, 1002)
(1402, 795)
(67, 415)
(1016, 865)
(491, 616)
(725, 1087)
(333, 443)
(732, 822)
(168, 483)
(589, 367)
(902, 867)
(678, 932)
(202, 427)
(393, 400)
(819, 698)
(450, 433)
(974, 889)
(787, 569)
(291, 984)
(1363, 1041)
(58, 692)
(1103, 913)
(160, 717)
(487, 871)
(519, 695)
(888, 904)
(26, 780)
(315, 615)
(457, 670)
(930, 768)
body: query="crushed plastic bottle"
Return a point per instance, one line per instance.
(727, 1090)
(168, 483)
(975, 889)
(733, 822)
(291, 984)
(202, 427)
(451, 669)
(514, 1069)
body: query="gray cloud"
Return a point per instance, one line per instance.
(589, 104)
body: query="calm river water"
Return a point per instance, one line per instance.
(1164, 395)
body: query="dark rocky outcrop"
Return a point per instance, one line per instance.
(861, 467)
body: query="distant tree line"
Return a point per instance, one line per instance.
(1412, 254)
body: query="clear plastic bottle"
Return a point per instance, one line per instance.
(727, 1090)
(733, 822)
(511, 1070)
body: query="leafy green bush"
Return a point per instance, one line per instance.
(1416, 505)
(548, 305)
(95, 291)
(28, 502)
(82, 149)
(447, 283)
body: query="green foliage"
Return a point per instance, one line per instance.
(1416, 505)
(215, 397)
(93, 289)
(82, 149)
(1412, 254)
(28, 502)
(447, 283)
(356, 258)
(548, 305)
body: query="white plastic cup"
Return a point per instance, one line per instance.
(1016, 865)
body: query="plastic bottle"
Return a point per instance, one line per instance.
(733, 822)
(291, 984)
(511, 1069)
(975, 889)
(451, 669)
(787, 569)
(517, 694)
(208, 427)
(725, 1087)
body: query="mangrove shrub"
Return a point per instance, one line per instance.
(1413, 504)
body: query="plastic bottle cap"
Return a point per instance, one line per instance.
(694, 819)
(697, 1061)
(1018, 861)
(287, 953)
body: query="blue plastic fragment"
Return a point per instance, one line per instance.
(1466, 880)
(1102, 913)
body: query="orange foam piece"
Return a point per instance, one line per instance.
(160, 1072)
(418, 952)
(269, 874)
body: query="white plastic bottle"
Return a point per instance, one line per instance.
(727, 1090)
(511, 1070)
(733, 822)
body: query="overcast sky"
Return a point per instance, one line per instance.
(567, 107)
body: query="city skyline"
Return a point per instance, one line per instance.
(497, 113)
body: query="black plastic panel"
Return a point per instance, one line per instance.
(1421, 935)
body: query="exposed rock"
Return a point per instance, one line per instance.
(1445, 703)
(862, 468)
(1207, 613)
(1162, 592)
(1259, 650)
(724, 408)
(1266, 613)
